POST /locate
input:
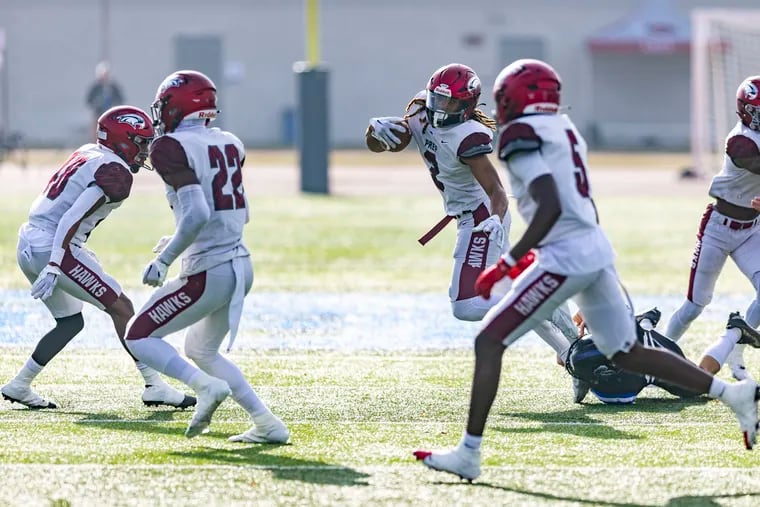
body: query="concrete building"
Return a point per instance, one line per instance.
(379, 55)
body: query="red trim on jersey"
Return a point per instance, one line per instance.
(478, 143)
(516, 138)
(88, 280)
(698, 251)
(114, 180)
(165, 309)
(476, 257)
(505, 323)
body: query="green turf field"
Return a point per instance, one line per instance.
(356, 417)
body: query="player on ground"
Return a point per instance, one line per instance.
(729, 226)
(545, 157)
(454, 138)
(201, 167)
(95, 180)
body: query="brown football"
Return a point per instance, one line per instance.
(374, 145)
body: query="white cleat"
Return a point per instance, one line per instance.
(460, 461)
(269, 431)
(580, 389)
(19, 392)
(735, 361)
(742, 397)
(164, 394)
(210, 397)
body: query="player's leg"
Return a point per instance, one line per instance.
(738, 334)
(67, 312)
(84, 278)
(611, 324)
(746, 259)
(710, 254)
(180, 303)
(532, 299)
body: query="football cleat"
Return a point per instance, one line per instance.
(580, 389)
(652, 316)
(164, 394)
(210, 396)
(460, 461)
(742, 398)
(749, 335)
(19, 392)
(268, 430)
(735, 361)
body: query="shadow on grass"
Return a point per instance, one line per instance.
(573, 422)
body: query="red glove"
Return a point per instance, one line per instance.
(488, 278)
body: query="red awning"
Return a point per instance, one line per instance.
(656, 27)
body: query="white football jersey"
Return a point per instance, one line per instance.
(442, 150)
(216, 158)
(91, 164)
(735, 184)
(576, 244)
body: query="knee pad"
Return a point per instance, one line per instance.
(467, 309)
(690, 310)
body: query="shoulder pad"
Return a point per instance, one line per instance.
(740, 147)
(114, 180)
(476, 143)
(518, 137)
(167, 156)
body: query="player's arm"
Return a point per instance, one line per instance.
(744, 153)
(473, 151)
(543, 190)
(169, 160)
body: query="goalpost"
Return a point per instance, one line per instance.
(725, 48)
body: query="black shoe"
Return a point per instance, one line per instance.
(750, 336)
(652, 316)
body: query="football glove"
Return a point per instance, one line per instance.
(155, 273)
(503, 267)
(44, 285)
(493, 227)
(384, 128)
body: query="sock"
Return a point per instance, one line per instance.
(27, 372)
(471, 442)
(150, 375)
(161, 356)
(66, 328)
(723, 346)
(717, 388)
(682, 319)
(753, 314)
(219, 366)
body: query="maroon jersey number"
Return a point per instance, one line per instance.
(223, 201)
(581, 180)
(58, 182)
(433, 167)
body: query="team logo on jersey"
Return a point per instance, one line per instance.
(172, 82)
(473, 84)
(133, 120)
(750, 90)
(443, 89)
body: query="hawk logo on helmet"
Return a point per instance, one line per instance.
(750, 90)
(133, 120)
(473, 84)
(173, 81)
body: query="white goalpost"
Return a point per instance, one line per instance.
(725, 48)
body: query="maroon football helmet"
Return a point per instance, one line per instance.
(127, 131)
(185, 94)
(452, 94)
(748, 102)
(526, 87)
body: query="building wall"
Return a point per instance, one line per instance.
(379, 55)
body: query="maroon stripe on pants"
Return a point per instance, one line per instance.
(524, 305)
(168, 307)
(475, 258)
(698, 251)
(87, 280)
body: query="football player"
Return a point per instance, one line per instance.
(729, 227)
(545, 157)
(454, 138)
(95, 180)
(201, 167)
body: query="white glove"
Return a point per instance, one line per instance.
(383, 130)
(162, 244)
(494, 228)
(155, 273)
(44, 285)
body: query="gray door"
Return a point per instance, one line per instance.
(515, 48)
(204, 54)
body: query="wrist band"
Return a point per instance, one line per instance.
(509, 259)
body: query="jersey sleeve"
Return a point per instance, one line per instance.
(168, 157)
(743, 152)
(477, 143)
(114, 180)
(414, 106)
(518, 138)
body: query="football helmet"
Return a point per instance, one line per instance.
(183, 95)
(748, 102)
(128, 132)
(452, 94)
(526, 87)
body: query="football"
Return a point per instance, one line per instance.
(376, 146)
